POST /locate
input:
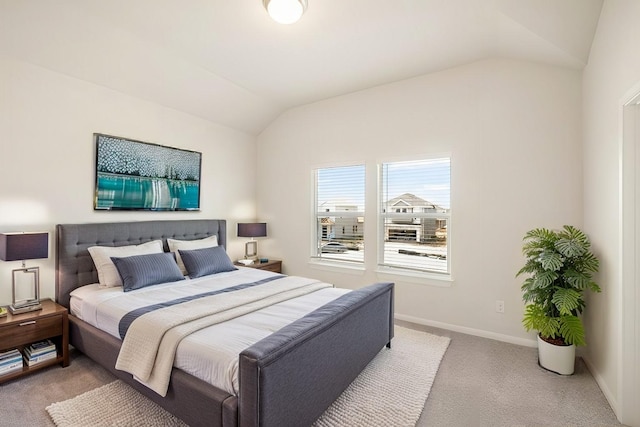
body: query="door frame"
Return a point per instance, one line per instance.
(629, 366)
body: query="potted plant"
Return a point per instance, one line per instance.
(560, 266)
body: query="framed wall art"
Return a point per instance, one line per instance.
(136, 175)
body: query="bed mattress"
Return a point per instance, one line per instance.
(210, 354)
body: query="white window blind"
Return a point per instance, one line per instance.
(415, 215)
(339, 213)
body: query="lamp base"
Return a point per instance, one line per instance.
(25, 309)
(32, 303)
(251, 250)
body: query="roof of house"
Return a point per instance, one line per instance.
(408, 199)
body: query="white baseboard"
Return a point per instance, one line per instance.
(613, 402)
(469, 331)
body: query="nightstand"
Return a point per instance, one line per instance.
(20, 330)
(274, 265)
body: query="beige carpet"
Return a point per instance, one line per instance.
(390, 391)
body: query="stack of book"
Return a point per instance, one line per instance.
(39, 352)
(10, 361)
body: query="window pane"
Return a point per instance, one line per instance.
(340, 189)
(339, 213)
(405, 248)
(415, 212)
(425, 179)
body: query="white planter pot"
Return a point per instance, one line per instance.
(556, 358)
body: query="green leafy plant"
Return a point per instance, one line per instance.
(561, 266)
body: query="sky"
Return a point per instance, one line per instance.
(428, 179)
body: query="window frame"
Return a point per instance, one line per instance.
(395, 269)
(316, 255)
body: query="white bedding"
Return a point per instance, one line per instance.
(210, 354)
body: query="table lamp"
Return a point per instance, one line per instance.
(252, 230)
(21, 247)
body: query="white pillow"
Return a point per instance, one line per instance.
(188, 245)
(108, 275)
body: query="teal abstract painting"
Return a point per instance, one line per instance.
(143, 176)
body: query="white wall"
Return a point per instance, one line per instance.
(610, 78)
(47, 121)
(513, 131)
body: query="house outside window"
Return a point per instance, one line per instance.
(339, 214)
(415, 215)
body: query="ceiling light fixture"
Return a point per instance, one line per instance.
(285, 11)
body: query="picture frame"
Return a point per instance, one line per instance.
(137, 175)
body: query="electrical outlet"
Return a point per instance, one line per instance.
(500, 306)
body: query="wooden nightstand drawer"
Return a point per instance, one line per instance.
(20, 330)
(276, 267)
(30, 330)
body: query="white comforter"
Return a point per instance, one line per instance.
(210, 354)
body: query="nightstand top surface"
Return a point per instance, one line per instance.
(49, 307)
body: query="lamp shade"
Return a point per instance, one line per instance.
(252, 229)
(22, 246)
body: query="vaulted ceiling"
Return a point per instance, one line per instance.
(228, 62)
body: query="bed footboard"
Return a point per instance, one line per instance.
(291, 377)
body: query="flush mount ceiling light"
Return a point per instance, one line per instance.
(285, 11)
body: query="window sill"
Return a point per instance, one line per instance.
(431, 279)
(337, 266)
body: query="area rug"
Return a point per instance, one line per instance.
(392, 390)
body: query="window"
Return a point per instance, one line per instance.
(415, 215)
(339, 214)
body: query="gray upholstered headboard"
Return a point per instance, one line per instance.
(74, 266)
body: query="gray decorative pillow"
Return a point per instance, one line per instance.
(145, 270)
(175, 245)
(202, 262)
(107, 273)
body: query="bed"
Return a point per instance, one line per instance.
(286, 379)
